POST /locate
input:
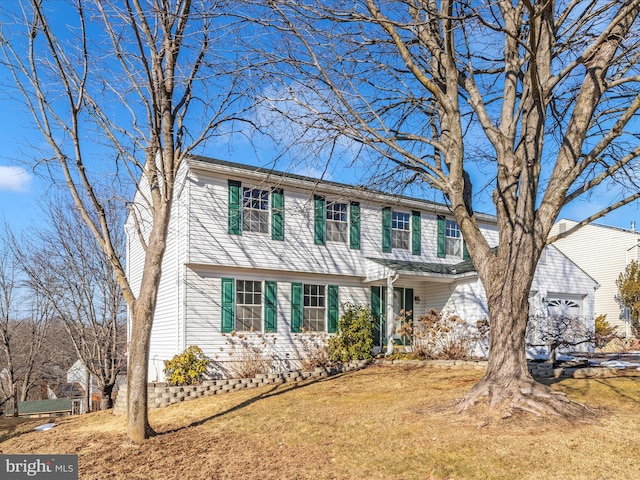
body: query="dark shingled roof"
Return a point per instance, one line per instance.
(43, 406)
(465, 266)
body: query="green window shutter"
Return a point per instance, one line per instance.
(228, 304)
(386, 229)
(296, 307)
(277, 214)
(354, 225)
(270, 307)
(408, 303)
(375, 312)
(465, 252)
(319, 220)
(442, 243)
(235, 207)
(333, 309)
(378, 310)
(416, 234)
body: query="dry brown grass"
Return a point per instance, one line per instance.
(378, 423)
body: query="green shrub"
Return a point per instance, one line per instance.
(354, 339)
(605, 332)
(187, 368)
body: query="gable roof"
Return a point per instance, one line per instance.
(631, 231)
(68, 390)
(314, 184)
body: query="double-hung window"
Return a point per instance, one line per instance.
(337, 224)
(400, 230)
(255, 210)
(453, 238)
(248, 306)
(314, 308)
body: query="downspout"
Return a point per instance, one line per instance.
(391, 279)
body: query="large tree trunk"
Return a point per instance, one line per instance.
(507, 382)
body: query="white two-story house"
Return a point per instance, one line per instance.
(265, 254)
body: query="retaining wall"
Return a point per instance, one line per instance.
(162, 395)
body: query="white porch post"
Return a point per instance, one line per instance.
(390, 313)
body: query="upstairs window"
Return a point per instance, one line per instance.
(400, 230)
(337, 222)
(255, 210)
(334, 222)
(453, 239)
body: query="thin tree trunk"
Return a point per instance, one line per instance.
(138, 428)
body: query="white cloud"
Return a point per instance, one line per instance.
(14, 179)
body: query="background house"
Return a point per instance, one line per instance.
(267, 257)
(603, 252)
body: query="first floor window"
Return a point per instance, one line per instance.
(400, 230)
(248, 306)
(313, 317)
(255, 210)
(453, 239)
(337, 222)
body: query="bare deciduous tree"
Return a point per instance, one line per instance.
(125, 87)
(539, 97)
(8, 317)
(66, 266)
(31, 348)
(559, 331)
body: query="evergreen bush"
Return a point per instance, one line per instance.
(187, 368)
(354, 338)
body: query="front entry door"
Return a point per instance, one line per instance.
(402, 313)
(402, 306)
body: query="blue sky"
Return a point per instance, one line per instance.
(22, 192)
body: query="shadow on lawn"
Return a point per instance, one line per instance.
(276, 390)
(623, 394)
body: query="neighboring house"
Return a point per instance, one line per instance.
(79, 374)
(271, 257)
(603, 252)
